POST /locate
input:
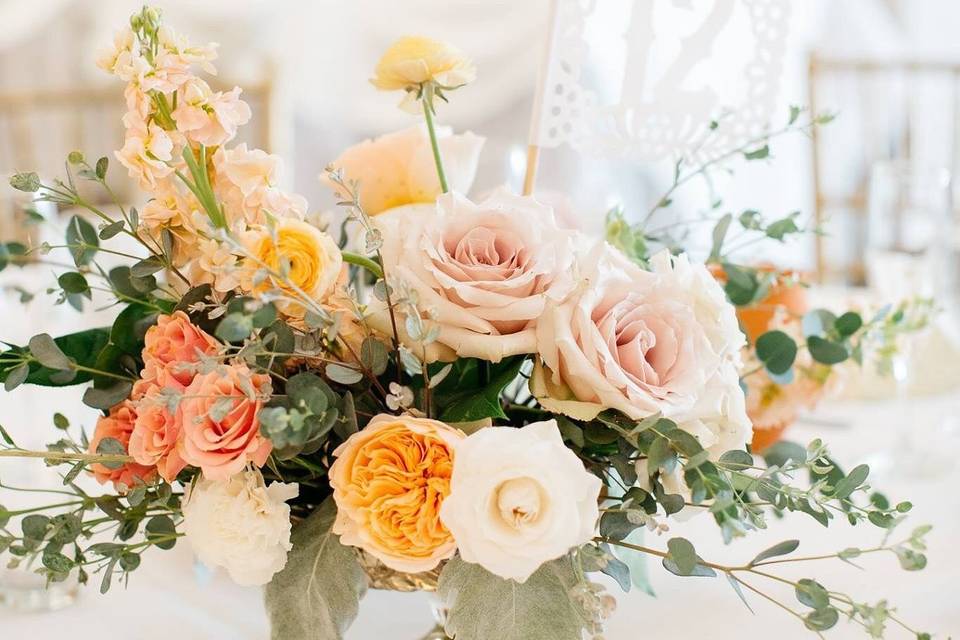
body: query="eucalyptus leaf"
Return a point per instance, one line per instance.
(777, 351)
(826, 351)
(108, 397)
(779, 549)
(48, 353)
(482, 606)
(342, 374)
(317, 595)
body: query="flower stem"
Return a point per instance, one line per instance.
(64, 456)
(431, 129)
(363, 261)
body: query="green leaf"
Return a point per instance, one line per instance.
(817, 322)
(484, 402)
(615, 525)
(812, 594)
(83, 236)
(48, 352)
(777, 351)
(28, 182)
(159, 531)
(73, 282)
(822, 619)
(778, 229)
(343, 374)
(482, 606)
(736, 587)
(146, 267)
(16, 377)
(130, 326)
(826, 351)
(108, 397)
(35, 526)
(795, 112)
(317, 595)
(110, 230)
(758, 154)
(719, 234)
(235, 327)
(742, 286)
(848, 324)
(101, 167)
(683, 555)
(374, 355)
(851, 482)
(779, 549)
(111, 447)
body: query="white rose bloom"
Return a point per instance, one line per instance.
(486, 271)
(240, 525)
(519, 498)
(644, 342)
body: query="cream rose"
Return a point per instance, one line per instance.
(398, 168)
(484, 272)
(519, 498)
(644, 342)
(240, 524)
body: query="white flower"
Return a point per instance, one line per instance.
(240, 525)
(488, 270)
(519, 498)
(644, 342)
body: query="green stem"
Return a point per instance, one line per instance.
(431, 129)
(63, 456)
(363, 261)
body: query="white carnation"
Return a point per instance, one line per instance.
(241, 525)
(519, 498)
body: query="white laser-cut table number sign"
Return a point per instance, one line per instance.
(642, 79)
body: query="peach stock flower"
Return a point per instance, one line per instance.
(210, 118)
(313, 258)
(413, 60)
(398, 168)
(145, 154)
(221, 431)
(173, 342)
(389, 481)
(118, 426)
(156, 434)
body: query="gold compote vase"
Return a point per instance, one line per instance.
(380, 576)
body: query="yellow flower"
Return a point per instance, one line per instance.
(389, 481)
(313, 258)
(414, 60)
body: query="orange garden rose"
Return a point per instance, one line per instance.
(221, 431)
(172, 341)
(389, 481)
(118, 425)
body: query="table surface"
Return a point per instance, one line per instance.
(170, 597)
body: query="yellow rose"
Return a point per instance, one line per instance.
(414, 60)
(389, 481)
(313, 257)
(398, 169)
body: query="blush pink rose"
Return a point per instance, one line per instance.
(156, 435)
(221, 432)
(644, 342)
(118, 426)
(173, 342)
(483, 273)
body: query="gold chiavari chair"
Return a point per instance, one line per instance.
(897, 109)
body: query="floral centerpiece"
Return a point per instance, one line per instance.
(474, 400)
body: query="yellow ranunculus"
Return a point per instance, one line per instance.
(314, 260)
(414, 60)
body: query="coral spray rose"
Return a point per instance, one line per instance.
(389, 481)
(221, 431)
(173, 344)
(118, 426)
